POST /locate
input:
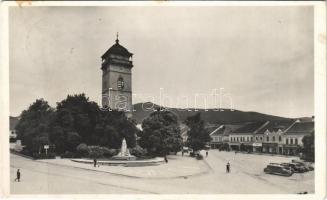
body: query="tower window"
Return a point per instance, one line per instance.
(120, 83)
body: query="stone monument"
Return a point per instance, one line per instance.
(124, 153)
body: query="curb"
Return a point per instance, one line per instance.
(135, 177)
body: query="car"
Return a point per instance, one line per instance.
(297, 168)
(307, 165)
(274, 168)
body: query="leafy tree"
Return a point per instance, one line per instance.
(82, 149)
(72, 141)
(34, 126)
(76, 120)
(77, 114)
(198, 136)
(309, 147)
(161, 133)
(113, 127)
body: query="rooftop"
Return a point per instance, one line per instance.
(250, 127)
(276, 125)
(301, 128)
(117, 49)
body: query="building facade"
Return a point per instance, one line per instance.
(116, 69)
(294, 135)
(272, 137)
(243, 139)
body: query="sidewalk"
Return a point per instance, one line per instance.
(177, 167)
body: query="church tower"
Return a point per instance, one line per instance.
(117, 78)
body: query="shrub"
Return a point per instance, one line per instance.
(82, 150)
(96, 152)
(69, 154)
(138, 151)
(49, 155)
(108, 153)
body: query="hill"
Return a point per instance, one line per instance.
(211, 116)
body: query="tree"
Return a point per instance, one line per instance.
(72, 141)
(34, 126)
(308, 149)
(198, 136)
(113, 127)
(161, 133)
(77, 114)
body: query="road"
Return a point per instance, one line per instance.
(246, 177)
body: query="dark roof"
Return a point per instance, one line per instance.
(212, 128)
(117, 49)
(13, 121)
(250, 127)
(301, 128)
(229, 128)
(217, 131)
(276, 125)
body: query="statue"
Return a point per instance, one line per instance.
(124, 152)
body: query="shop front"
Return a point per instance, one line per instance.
(257, 147)
(269, 148)
(291, 150)
(234, 146)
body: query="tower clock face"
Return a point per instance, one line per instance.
(120, 83)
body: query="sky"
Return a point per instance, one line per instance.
(262, 57)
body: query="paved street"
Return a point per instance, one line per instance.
(247, 177)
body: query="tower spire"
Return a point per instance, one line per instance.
(117, 41)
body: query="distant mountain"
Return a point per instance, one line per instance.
(210, 116)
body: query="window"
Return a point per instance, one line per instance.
(251, 139)
(280, 138)
(287, 141)
(267, 138)
(296, 142)
(120, 83)
(273, 138)
(291, 140)
(256, 138)
(261, 138)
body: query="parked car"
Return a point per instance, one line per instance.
(297, 168)
(307, 165)
(274, 168)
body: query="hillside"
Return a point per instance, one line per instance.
(211, 116)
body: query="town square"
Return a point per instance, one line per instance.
(162, 100)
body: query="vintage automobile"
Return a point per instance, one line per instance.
(274, 168)
(307, 165)
(297, 168)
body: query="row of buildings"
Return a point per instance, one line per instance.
(274, 137)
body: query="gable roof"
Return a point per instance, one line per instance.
(275, 126)
(250, 127)
(300, 128)
(217, 131)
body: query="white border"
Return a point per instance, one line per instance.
(319, 80)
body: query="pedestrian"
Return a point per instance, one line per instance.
(228, 167)
(95, 162)
(166, 160)
(207, 153)
(17, 176)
